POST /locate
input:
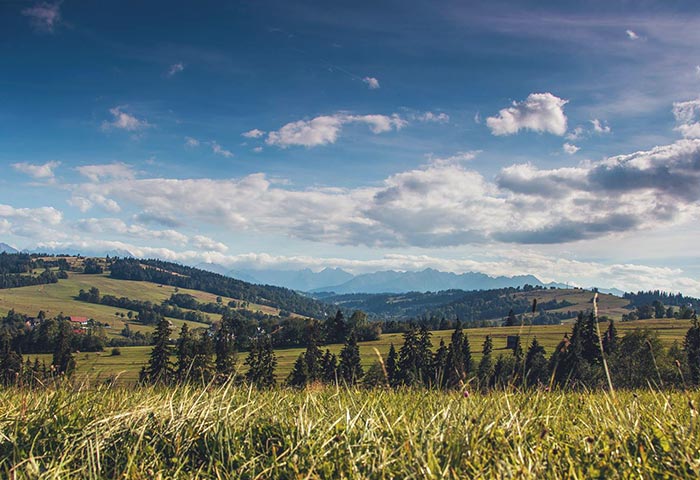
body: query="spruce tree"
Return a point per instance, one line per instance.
(159, 369)
(610, 339)
(329, 367)
(485, 369)
(63, 360)
(261, 362)
(298, 376)
(455, 372)
(350, 368)
(536, 371)
(691, 345)
(10, 361)
(313, 355)
(225, 349)
(392, 366)
(203, 366)
(184, 352)
(511, 319)
(440, 365)
(409, 358)
(425, 355)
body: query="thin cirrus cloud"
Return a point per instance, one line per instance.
(44, 17)
(325, 129)
(174, 69)
(254, 133)
(43, 171)
(539, 112)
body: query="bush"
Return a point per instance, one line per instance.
(116, 351)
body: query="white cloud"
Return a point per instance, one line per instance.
(570, 148)
(41, 172)
(47, 215)
(697, 70)
(258, 149)
(124, 121)
(44, 16)
(119, 227)
(457, 158)
(631, 35)
(208, 244)
(105, 171)
(600, 127)
(540, 112)
(687, 116)
(174, 69)
(219, 150)
(191, 142)
(254, 133)
(576, 134)
(372, 83)
(433, 117)
(325, 129)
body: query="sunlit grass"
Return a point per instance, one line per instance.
(234, 432)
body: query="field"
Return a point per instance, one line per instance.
(231, 432)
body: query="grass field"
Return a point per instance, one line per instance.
(233, 432)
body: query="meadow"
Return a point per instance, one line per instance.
(326, 432)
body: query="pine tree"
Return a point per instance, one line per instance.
(329, 367)
(485, 369)
(159, 368)
(225, 349)
(392, 366)
(336, 329)
(350, 368)
(10, 361)
(511, 320)
(261, 362)
(455, 359)
(63, 360)
(536, 371)
(425, 355)
(409, 358)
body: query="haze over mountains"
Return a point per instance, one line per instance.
(339, 281)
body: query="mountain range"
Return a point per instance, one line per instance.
(7, 248)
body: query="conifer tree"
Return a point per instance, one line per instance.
(313, 355)
(10, 361)
(392, 366)
(691, 345)
(536, 371)
(63, 360)
(159, 369)
(409, 358)
(425, 355)
(184, 352)
(329, 367)
(440, 365)
(225, 349)
(298, 376)
(455, 359)
(485, 369)
(349, 367)
(610, 339)
(203, 366)
(261, 362)
(511, 319)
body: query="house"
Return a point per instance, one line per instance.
(82, 321)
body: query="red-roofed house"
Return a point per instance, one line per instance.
(79, 320)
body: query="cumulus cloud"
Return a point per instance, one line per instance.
(44, 17)
(540, 112)
(254, 133)
(688, 118)
(372, 83)
(124, 121)
(30, 222)
(117, 226)
(43, 171)
(570, 148)
(208, 244)
(174, 69)
(600, 127)
(325, 129)
(632, 35)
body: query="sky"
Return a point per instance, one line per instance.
(560, 139)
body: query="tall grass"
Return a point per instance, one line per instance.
(235, 432)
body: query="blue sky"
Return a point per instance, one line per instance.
(553, 138)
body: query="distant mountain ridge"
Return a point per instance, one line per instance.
(7, 248)
(432, 280)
